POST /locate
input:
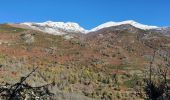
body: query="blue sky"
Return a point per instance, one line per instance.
(88, 13)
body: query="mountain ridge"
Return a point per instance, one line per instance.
(62, 28)
(131, 22)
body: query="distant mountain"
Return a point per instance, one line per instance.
(63, 28)
(130, 22)
(60, 28)
(164, 30)
(56, 28)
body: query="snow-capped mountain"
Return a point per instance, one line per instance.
(61, 28)
(162, 30)
(131, 22)
(56, 28)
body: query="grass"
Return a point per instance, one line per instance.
(2, 58)
(168, 80)
(7, 28)
(120, 67)
(130, 83)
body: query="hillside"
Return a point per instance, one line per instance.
(109, 63)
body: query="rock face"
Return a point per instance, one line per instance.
(28, 37)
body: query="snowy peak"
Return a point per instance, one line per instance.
(57, 28)
(67, 26)
(131, 22)
(62, 28)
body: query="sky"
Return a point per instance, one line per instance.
(88, 13)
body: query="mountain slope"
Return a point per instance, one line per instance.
(106, 64)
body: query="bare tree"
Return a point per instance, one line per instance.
(19, 90)
(157, 87)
